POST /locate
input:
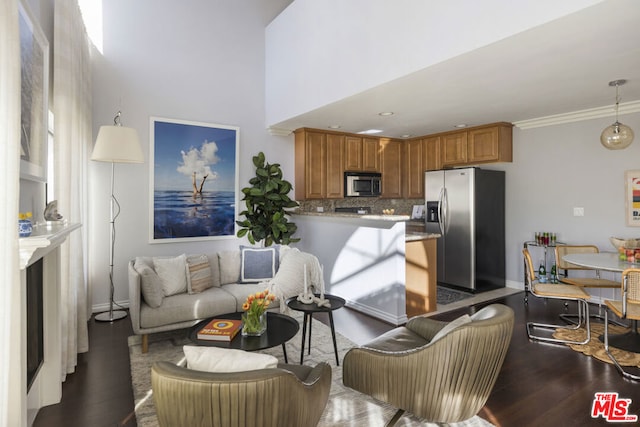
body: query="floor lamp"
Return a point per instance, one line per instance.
(115, 144)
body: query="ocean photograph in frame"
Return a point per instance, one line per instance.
(632, 197)
(194, 180)
(34, 92)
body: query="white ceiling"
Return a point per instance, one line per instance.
(560, 67)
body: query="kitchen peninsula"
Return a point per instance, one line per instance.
(373, 262)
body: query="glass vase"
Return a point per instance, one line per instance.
(254, 325)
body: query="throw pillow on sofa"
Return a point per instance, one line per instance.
(172, 273)
(199, 275)
(258, 264)
(229, 264)
(213, 359)
(150, 283)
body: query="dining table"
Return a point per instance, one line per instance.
(610, 261)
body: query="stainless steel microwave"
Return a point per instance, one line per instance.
(362, 184)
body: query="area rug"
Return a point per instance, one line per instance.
(595, 347)
(446, 296)
(346, 407)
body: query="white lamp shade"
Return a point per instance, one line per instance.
(117, 144)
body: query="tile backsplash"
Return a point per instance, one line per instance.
(401, 206)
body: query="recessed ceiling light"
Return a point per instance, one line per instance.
(370, 131)
(406, 135)
(386, 113)
(461, 125)
(334, 126)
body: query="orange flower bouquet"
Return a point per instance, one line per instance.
(254, 318)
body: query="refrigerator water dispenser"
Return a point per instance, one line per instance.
(432, 212)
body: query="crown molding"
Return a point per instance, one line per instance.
(279, 131)
(578, 116)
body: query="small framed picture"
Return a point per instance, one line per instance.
(632, 197)
(418, 212)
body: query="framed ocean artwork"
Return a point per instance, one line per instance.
(632, 197)
(193, 179)
(34, 91)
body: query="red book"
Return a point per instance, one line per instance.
(220, 330)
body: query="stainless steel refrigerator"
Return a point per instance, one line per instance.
(466, 206)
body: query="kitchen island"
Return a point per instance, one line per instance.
(372, 262)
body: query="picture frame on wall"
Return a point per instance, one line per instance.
(34, 73)
(632, 197)
(194, 180)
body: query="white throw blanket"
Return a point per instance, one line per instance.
(289, 280)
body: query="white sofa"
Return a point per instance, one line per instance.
(151, 313)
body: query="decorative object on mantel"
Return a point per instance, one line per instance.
(308, 297)
(115, 144)
(254, 318)
(617, 136)
(266, 201)
(25, 227)
(51, 212)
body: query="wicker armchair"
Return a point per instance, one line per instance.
(445, 380)
(627, 308)
(290, 395)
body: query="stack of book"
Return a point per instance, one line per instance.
(220, 330)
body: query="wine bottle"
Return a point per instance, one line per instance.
(542, 272)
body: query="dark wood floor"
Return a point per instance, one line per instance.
(539, 385)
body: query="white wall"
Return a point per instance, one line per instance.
(347, 47)
(203, 62)
(557, 168)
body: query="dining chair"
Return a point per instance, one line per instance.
(558, 291)
(628, 308)
(594, 281)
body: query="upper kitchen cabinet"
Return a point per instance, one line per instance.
(335, 170)
(491, 144)
(431, 151)
(481, 144)
(319, 165)
(416, 165)
(453, 149)
(391, 166)
(361, 154)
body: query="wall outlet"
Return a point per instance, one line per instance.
(319, 209)
(578, 211)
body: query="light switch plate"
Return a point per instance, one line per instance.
(578, 211)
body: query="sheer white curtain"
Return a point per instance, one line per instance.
(72, 136)
(10, 349)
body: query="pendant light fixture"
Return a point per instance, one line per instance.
(617, 136)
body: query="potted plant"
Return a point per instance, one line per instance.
(266, 201)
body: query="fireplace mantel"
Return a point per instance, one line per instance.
(44, 238)
(46, 389)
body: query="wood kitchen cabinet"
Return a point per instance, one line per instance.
(482, 144)
(361, 154)
(431, 149)
(490, 144)
(319, 165)
(453, 149)
(335, 169)
(415, 166)
(391, 159)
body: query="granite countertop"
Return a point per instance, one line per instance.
(393, 218)
(415, 237)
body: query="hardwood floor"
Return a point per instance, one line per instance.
(539, 384)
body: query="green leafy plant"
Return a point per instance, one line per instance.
(266, 201)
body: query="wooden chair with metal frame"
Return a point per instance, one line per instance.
(558, 291)
(583, 282)
(627, 308)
